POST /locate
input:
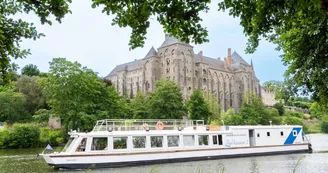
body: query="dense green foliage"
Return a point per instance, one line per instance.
(253, 111)
(30, 70)
(198, 107)
(12, 107)
(214, 107)
(166, 102)
(324, 124)
(232, 118)
(75, 93)
(299, 28)
(32, 92)
(13, 29)
(179, 18)
(280, 108)
(29, 135)
(294, 121)
(140, 106)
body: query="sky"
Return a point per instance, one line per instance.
(88, 37)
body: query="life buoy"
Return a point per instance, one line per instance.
(144, 126)
(159, 125)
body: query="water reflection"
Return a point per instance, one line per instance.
(24, 160)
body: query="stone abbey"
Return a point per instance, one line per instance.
(228, 79)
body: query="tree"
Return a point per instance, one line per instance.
(253, 111)
(214, 107)
(324, 124)
(75, 93)
(280, 108)
(140, 106)
(317, 110)
(35, 100)
(198, 107)
(166, 101)
(30, 70)
(299, 29)
(13, 30)
(231, 118)
(12, 107)
(281, 90)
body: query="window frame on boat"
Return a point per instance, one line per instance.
(126, 142)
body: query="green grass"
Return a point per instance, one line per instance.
(314, 128)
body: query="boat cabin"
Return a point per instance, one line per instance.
(126, 136)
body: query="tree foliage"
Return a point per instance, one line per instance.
(253, 110)
(280, 108)
(30, 70)
(198, 107)
(166, 102)
(232, 118)
(281, 90)
(75, 93)
(214, 107)
(13, 30)
(12, 107)
(179, 18)
(299, 28)
(140, 106)
(29, 86)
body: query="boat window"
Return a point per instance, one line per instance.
(119, 142)
(202, 140)
(258, 135)
(294, 133)
(188, 140)
(69, 142)
(156, 141)
(172, 141)
(215, 140)
(81, 146)
(139, 141)
(268, 133)
(99, 143)
(220, 139)
(282, 133)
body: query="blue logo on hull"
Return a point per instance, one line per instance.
(291, 138)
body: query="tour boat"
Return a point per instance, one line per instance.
(116, 143)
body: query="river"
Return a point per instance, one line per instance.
(25, 161)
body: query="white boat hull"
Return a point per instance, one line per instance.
(99, 160)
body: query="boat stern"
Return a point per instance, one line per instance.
(48, 159)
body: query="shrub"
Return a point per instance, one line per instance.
(280, 108)
(324, 124)
(231, 118)
(23, 136)
(4, 138)
(53, 137)
(295, 114)
(295, 121)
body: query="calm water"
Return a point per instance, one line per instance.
(24, 160)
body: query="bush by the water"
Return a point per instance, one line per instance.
(324, 124)
(29, 135)
(295, 121)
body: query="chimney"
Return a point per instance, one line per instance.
(229, 57)
(167, 36)
(201, 54)
(225, 62)
(219, 58)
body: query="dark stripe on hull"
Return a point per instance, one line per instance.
(150, 162)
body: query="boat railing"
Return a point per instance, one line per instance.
(144, 124)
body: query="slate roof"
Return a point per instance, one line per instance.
(151, 52)
(130, 66)
(171, 40)
(212, 63)
(236, 57)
